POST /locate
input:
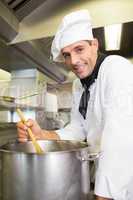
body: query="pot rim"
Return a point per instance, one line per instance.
(86, 148)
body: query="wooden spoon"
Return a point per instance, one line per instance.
(38, 149)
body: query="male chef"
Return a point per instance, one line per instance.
(102, 107)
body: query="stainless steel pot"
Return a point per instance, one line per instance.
(62, 173)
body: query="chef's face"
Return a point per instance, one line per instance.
(80, 57)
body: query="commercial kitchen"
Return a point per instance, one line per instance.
(42, 90)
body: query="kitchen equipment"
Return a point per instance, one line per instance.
(62, 173)
(7, 99)
(38, 149)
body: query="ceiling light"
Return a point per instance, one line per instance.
(4, 75)
(112, 36)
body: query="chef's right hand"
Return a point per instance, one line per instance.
(22, 130)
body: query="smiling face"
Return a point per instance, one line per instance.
(80, 57)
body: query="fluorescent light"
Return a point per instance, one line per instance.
(4, 75)
(113, 36)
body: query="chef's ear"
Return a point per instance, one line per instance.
(95, 42)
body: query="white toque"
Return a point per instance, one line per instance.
(74, 27)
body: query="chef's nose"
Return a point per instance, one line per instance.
(74, 59)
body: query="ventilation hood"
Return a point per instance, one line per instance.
(28, 54)
(28, 27)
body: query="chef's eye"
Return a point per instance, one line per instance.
(66, 55)
(79, 50)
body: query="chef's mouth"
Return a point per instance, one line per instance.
(79, 69)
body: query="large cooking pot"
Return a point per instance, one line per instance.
(62, 173)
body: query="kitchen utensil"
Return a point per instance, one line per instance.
(39, 150)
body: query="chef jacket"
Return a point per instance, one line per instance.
(108, 124)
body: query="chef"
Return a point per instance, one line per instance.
(102, 107)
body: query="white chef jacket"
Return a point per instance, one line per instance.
(108, 123)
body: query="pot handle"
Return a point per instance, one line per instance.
(90, 156)
(93, 156)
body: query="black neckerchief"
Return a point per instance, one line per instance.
(87, 82)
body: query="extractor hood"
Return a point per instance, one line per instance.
(29, 54)
(28, 27)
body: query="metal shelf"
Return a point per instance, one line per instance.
(12, 106)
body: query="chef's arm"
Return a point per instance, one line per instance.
(73, 131)
(101, 198)
(49, 134)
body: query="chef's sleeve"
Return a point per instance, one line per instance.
(74, 130)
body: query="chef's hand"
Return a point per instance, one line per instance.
(22, 130)
(36, 130)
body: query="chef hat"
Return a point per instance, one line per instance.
(74, 27)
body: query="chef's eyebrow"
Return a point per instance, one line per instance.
(76, 47)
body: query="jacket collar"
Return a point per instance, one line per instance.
(86, 83)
